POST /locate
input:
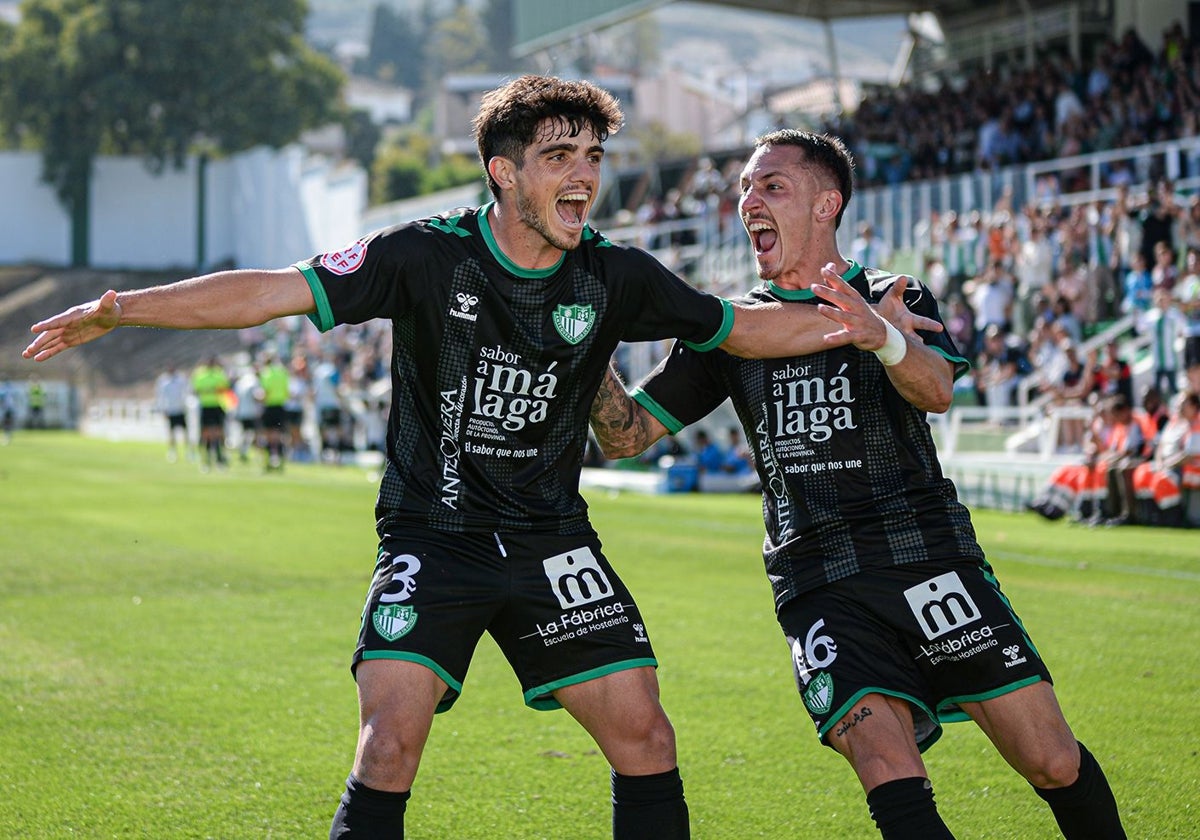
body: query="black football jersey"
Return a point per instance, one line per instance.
(495, 367)
(850, 475)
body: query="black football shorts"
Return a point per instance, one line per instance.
(552, 603)
(933, 633)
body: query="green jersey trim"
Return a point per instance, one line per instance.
(790, 294)
(541, 697)
(961, 365)
(661, 414)
(722, 333)
(508, 265)
(323, 318)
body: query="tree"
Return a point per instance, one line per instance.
(497, 20)
(158, 78)
(456, 44)
(409, 165)
(394, 53)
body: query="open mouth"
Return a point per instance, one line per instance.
(572, 207)
(762, 234)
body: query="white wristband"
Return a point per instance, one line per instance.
(893, 350)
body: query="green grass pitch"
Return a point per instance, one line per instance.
(174, 652)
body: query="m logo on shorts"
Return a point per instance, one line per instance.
(941, 605)
(576, 578)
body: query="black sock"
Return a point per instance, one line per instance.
(904, 809)
(368, 814)
(1087, 808)
(649, 807)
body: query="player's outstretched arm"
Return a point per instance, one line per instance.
(224, 300)
(623, 428)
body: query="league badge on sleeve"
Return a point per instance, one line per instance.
(347, 260)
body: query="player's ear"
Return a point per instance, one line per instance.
(829, 203)
(503, 172)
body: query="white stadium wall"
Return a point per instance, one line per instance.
(33, 226)
(139, 220)
(264, 208)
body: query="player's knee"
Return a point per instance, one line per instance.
(652, 736)
(1053, 766)
(387, 758)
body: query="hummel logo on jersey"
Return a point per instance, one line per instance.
(574, 322)
(465, 304)
(576, 578)
(941, 605)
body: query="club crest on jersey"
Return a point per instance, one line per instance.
(574, 322)
(393, 620)
(347, 260)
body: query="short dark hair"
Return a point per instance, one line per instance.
(509, 116)
(822, 150)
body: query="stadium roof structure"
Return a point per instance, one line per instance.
(541, 24)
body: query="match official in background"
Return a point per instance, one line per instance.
(210, 384)
(274, 382)
(170, 397)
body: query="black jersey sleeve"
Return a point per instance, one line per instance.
(364, 280)
(685, 387)
(659, 304)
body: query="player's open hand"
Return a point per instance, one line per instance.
(892, 307)
(78, 325)
(861, 323)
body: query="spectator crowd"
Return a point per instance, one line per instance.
(1127, 95)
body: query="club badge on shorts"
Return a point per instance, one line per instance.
(819, 694)
(394, 620)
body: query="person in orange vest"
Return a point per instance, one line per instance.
(1151, 416)
(1126, 449)
(1084, 490)
(1173, 476)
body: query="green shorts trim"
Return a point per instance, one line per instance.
(541, 697)
(947, 714)
(928, 738)
(455, 686)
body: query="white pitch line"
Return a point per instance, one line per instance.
(1140, 571)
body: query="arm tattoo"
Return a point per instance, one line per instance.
(618, 422)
